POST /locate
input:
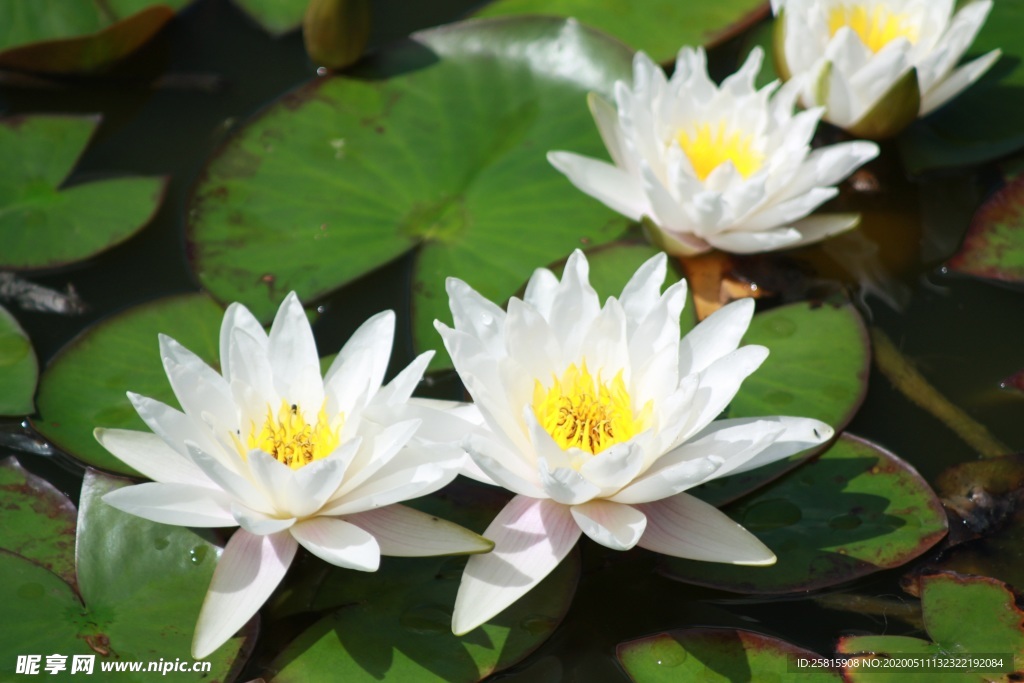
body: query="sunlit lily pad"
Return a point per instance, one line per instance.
(963, 615)
(395, 624)
(715, 655)
(84, 385)
(994, 245)
(39, 521)
(855, 510)
(440, 142)
(658, 27)
(45, 223)
(19, 369)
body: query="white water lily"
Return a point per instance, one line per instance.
(598, 419)
(876, 65)
(707, 167)
(290, 457)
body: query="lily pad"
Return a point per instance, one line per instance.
(964, 615)
(395, 624)
(658, 27)
(439, 141)
(855, 510)
(716, 655)
(74, 398)
(19, 369)
(276, 16)
(994, 245)
(39, 521)
(818, 367)
(46, 223)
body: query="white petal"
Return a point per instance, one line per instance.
(231, 482)
(958, 81)
(294, 359)
(610, 185)
(238, 318)
(565, 485)
(338, 542)
(198, 388)
(687, 527)
(668, 480)
(530, 538)
(150, 455)
(717, 335)
(258, 523)
(575, 305)
(176, 504)
(540, 292)
(504, 467)
(607, 120)
(400, 389)
(643, 291)
(791, 435)
(719, 383)
(755, 242)
(359, 367)
(475, 314)
(250, 367)
(249, 570)
(611, 524)
(173, 427)
(820, 226)
(404, 532)
(614, 467)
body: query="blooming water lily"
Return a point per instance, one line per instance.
(706, 166)
(290, 457)
(876, 65)
(599, 418)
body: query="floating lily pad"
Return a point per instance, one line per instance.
(395, 624)
(439, 141)
(963, 615)
(715, 655)
(994, 245)
(818, 367)
(853, 511)
(658, 27)
(39, 521)
(55, 37)
(276, 16)
(43, 222)
(982, 123)
(84, 386)
(19, 368)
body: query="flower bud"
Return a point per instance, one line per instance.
(336, 31)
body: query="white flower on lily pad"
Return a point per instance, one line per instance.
(876, 65)
(704, 166)
(291, 457)
(599, 419)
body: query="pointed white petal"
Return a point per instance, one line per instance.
(820, 226)
(668, 479)
(359, 367)
(643, 291)
(248, 571)
(177, 504)
(258, 523)
(404, 532)
(613, 525)
(338, 542)
(958, 81)
(198, 388)
(614, 467)
(504, 467)
(790, 435)
(530, 538)
(238, 318)
(150, 455)
(294, 359)
(610, 185)
(232, 483)
(717, 335)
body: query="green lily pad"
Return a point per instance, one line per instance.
(818, 366)
(963, 615)
(715, 655)
(75, 398)
(43, 222)
(19, 369)
(855, 510)
(994, 245)
(276, 16)
(54, 37)
(658, 27)
(982, 122)
(395, 623)
(439, 141)
(39, 520)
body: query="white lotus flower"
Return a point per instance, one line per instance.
(725, 167)
(290, 457)
(878, 64)
(598, 418)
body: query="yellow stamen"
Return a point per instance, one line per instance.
(877, 26)
(580, 411)
(290, 439)
(709, 146)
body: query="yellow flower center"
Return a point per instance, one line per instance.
(877, 26)
(580, 411)
(290, 439)
(709, 146)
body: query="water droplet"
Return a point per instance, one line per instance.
(537, 625)
(198, 554)
(667, 652)
(160, 543)
(771, 514)
(31, 591)
(781, 327)
(779, 398)
(427, 619)
(845, 522)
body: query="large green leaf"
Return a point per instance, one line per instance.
(982, 122)
(44, 223)
(964, 616)
(855, 510)
(439, 141)
(994, 245)
(716, 655)
(395, 624)
(19, 369)
(658, 27)
(84, 385)
(39, 521)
